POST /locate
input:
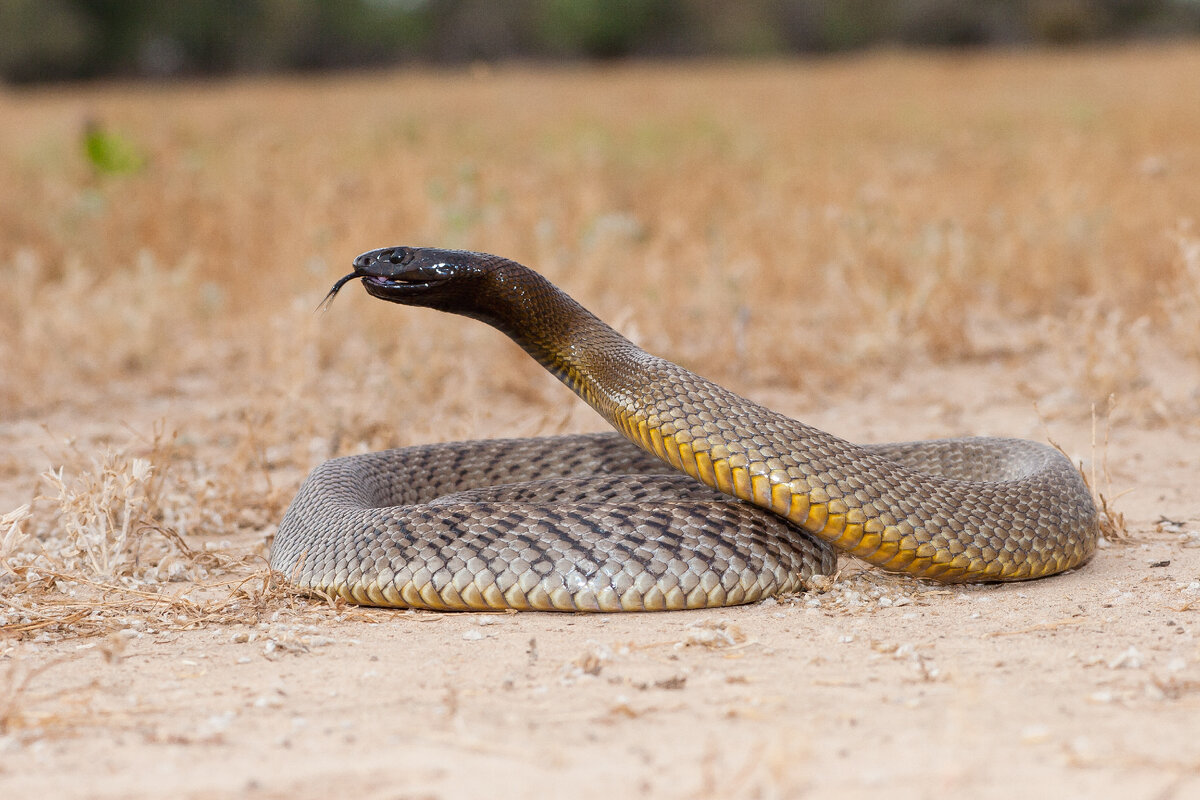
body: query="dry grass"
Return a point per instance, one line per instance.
(843, 207)
(106, 550)
(837, 220)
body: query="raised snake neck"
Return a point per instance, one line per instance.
(950, 510)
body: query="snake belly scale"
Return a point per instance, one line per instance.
(702, 498)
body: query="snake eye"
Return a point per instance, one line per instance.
(400, 255)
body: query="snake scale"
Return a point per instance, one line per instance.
(703, 498)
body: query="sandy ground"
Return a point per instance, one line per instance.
(1086, 684)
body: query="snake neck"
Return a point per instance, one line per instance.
(643, 396)
(581, 350)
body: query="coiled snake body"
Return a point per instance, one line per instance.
(704, 498)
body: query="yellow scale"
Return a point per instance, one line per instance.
(829, 519)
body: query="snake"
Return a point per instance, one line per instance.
(699, 497)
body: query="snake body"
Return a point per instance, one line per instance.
(704, 498)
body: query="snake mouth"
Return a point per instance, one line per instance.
(391, 274)
(384, 287)
(389, 286)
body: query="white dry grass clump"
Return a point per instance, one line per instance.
(121, 544)
(99, 511)
(96, 547)
(97, 523)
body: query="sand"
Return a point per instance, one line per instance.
(1082, 684)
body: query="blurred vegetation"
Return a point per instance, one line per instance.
(108, 152)
(44, 40)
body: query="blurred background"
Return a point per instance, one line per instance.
(873, 181)
(55, 40)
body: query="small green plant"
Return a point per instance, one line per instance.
(109, 152)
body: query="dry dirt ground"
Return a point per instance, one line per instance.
(184, 394)
(1086, 684)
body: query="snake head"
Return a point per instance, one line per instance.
(407, 269)
(497, 291)
(420, 276)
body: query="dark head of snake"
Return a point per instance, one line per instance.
(461, 282)
(952, 510)
(502, 293)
